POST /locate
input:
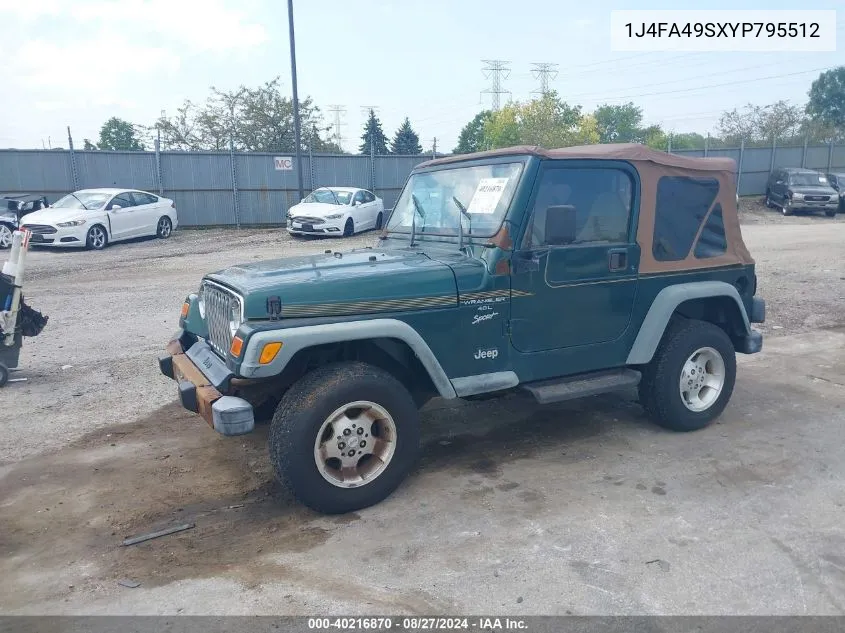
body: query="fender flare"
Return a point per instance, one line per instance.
(664, 305)
(298, 338)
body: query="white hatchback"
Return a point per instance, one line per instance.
(94, 217)
(336, 211)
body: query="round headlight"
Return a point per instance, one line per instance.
(234, 316)
(201, 301)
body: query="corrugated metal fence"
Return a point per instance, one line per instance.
(222, 188)
(205, 185)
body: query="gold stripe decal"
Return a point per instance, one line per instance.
(357, 307)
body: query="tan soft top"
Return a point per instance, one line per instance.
(651, 165)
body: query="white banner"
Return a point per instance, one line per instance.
(723, 30)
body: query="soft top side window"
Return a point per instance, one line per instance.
(682, 204)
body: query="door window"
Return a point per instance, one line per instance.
(143, 198)
(123, 199)
(602, 199)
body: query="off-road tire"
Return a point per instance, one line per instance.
(302, 412)
(349, 228)
(660, 384)
(379, 220)
(91, 243)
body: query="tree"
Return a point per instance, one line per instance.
(827, 99)
(619, 123)
(549, 122)
(686, 140)
(502, 128)
(117, 134)
(588, 131)
(472, 134)
(778, 120)
(256, 119)
(88, 146)
(406, 141)
(373, 136)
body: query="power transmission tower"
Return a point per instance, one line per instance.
(496, 70)
(338, 111)
(543, 71)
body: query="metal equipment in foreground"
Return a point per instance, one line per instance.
(16, 319)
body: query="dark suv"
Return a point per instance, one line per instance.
(796, 189)
(837, 181)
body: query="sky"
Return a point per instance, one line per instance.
(78, 62)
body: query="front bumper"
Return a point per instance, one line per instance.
(67, 236)
(296, 226)
(203, 380)
(808, 205)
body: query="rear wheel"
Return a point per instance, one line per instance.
(164, 228)
(348, 228)
(769, 202)
(691, 378)
(344, 437)
(5, 236)
(4, 374)
(97, 239)
(379, 220)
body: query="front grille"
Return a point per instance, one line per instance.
(307, 220)
(40, 229)
(817, 198)
(219, 305)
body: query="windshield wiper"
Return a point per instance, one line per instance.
(463, 211)
(80, 202)
(417, 209)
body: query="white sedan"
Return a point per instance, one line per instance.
(336, 211)
(94, 217)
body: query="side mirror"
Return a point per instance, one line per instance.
(115, 207)
(560, 225)
(778, 182)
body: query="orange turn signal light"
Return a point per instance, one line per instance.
(268, 353)
(185, 307)
(237, 346)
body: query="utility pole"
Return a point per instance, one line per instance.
(495, 70)
(543, 71)
(434, 149)
(338, 111)
(296, 131)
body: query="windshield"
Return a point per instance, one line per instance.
(329, 196)
(485, 191)
(807, 179)
(83, 200)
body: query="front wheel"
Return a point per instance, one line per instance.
(348, 228)
(5, 237)
(830, 214)
(164, 228)
(344, 437)
(96, 239)
(691, 378)
(785, 208)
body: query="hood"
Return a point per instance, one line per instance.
(8, 216)
(813, 190)
(315, 209)
(52, 216)
(357, 282)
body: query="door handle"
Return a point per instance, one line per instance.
(617, 259)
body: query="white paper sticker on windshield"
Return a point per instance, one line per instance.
(487, 195)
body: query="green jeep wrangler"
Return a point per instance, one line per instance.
(561, 273)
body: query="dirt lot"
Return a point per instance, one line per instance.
(515, 508)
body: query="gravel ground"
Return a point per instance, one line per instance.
(515, 508)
